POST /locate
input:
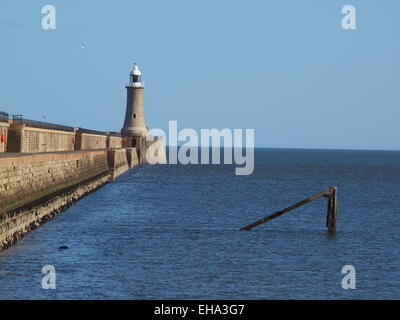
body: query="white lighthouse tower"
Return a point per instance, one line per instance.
(134, 125)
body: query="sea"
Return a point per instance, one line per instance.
(173, 232)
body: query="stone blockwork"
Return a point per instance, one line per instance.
(152, 150)
(23, 177)
(115, 142)
(88, 141)
(14, 139)
(15, 224)
(132, 157)
(25, 139)
(3, 136)
(36, 187)
(117, 162)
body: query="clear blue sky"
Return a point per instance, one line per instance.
(285, 68)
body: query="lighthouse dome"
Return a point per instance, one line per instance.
(136, 78)
(136, 71)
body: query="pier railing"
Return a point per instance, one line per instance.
(41, 125)
(89, 131)
(114, 134)
(330, 193)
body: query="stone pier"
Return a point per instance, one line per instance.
(36, 187)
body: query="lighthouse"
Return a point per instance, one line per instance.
(134, 126)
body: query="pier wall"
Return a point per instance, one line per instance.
(45, 168)
(114, 142)
(22, 177)
(90, 141)
(16, 223)
(117, 162)
(132, 157)
(39, 137)
(152, 151)
(36, 187)
(26, 139)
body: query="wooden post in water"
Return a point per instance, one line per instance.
(329, 193)
(279, 213)
(332, 208)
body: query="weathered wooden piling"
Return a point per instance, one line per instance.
(329, 193)
(332, 209)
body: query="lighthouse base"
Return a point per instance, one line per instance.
(152, 150)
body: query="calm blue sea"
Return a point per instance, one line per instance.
(172, 232)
